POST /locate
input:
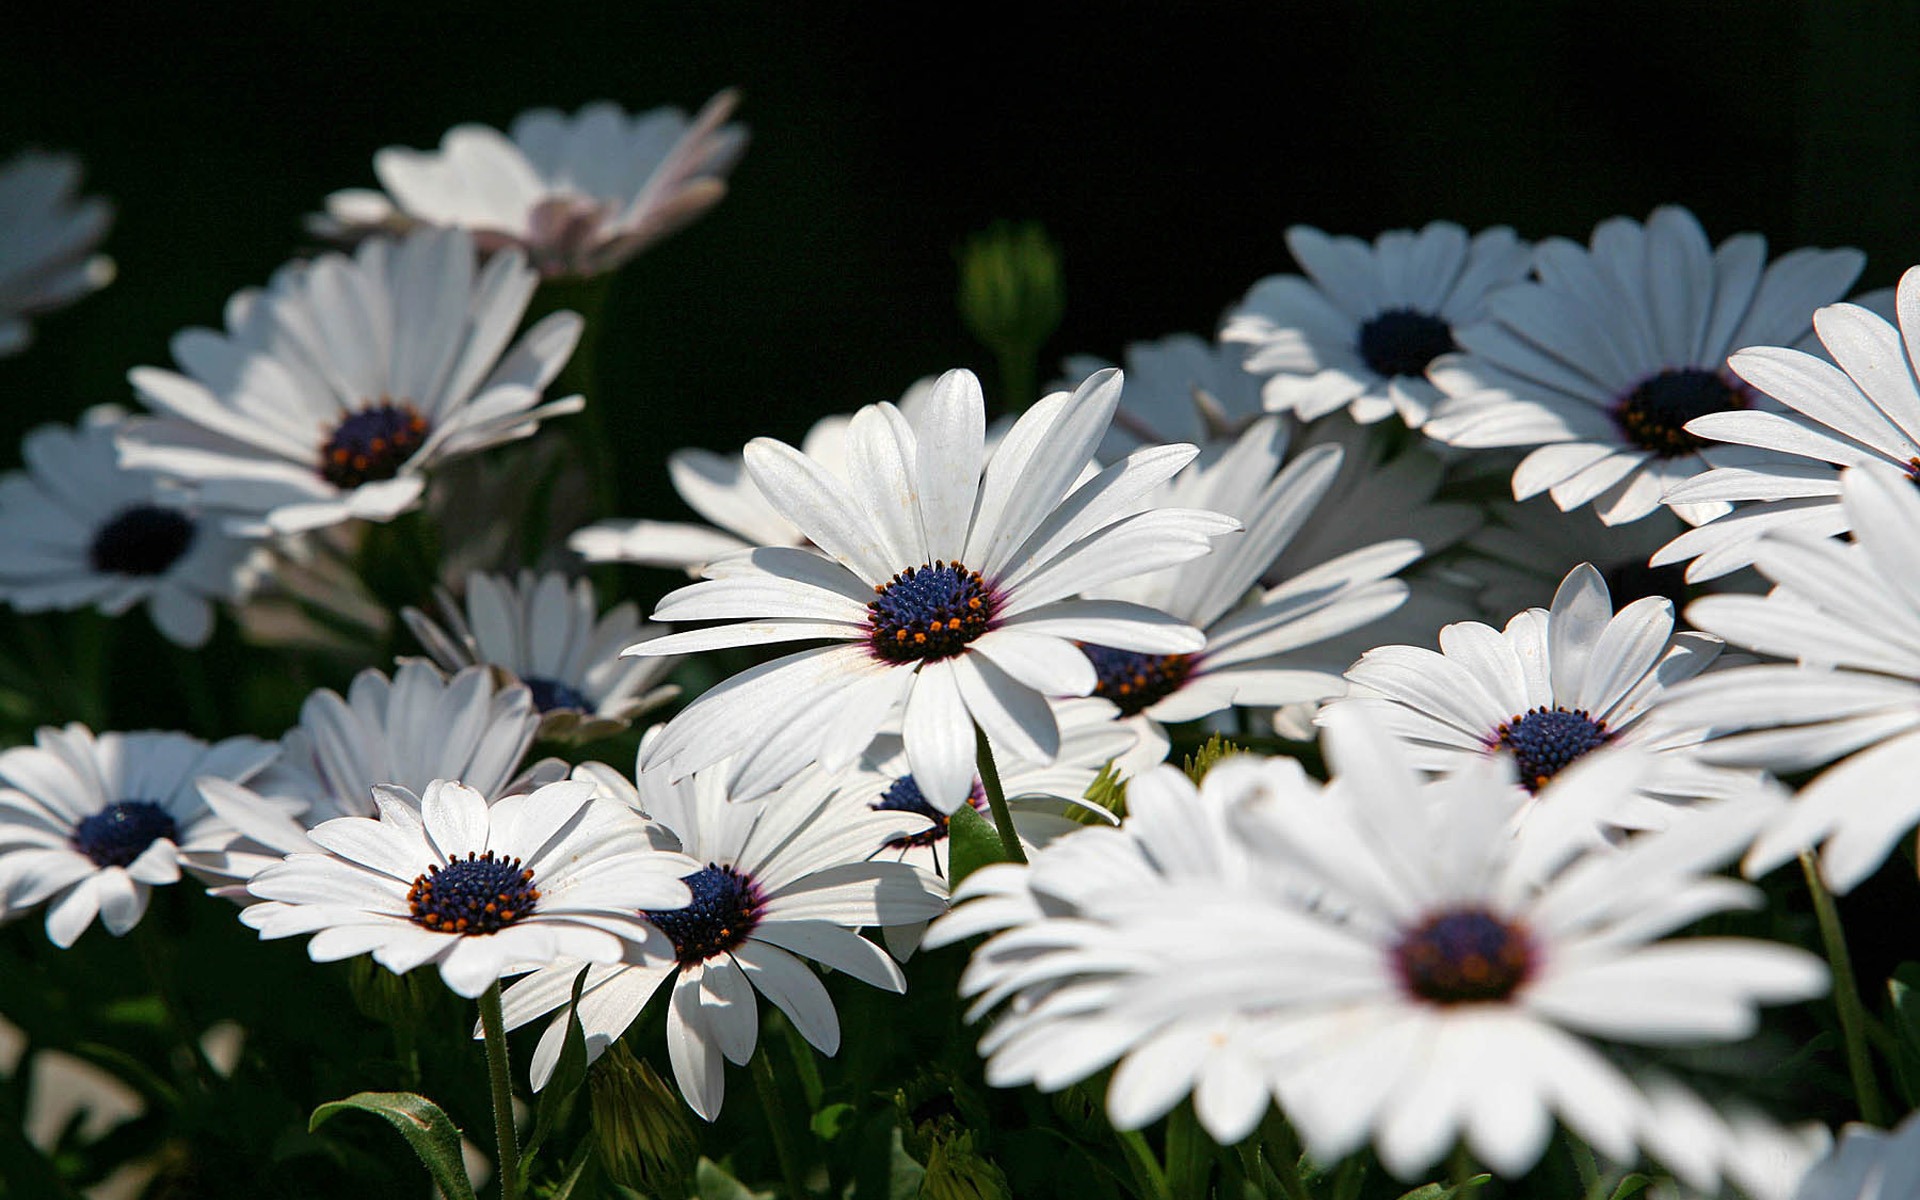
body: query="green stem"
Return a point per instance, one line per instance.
(1846, 997)
(996, 797)
(1346, 1183)
(1145, 1167)
(1188, 1162)
(500, 1076)
(776, 1110)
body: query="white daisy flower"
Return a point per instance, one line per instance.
(48, 240)
(335, 390)
(1376, 954)
(1259, 653)
(549, 635)
(1179, 389)
(78, 529)
(1868, 1164)
(1604, 361)
(1703, 1145)
(1358, 330)
(947, 590)
(482, 891)
(94, 823)
(1850, 613)
(776, 881)
(1550, 688)
(580, 194)
(1862, 407)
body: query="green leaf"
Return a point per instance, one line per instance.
(1632, 1185)
(1904, 988)
(833, 1120)
(972, 843)
(427, 1129)
(556, 1099)
(576, 1170)
(711, 1182)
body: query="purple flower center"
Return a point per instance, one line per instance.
(1402, 341)
(142, 540)
(1464, 956)
(1545, 741)
(477, 894)
(1136, 681)
(120, 833)
(904, 795)
(929, 612)
(725, 908)
(1654, 414)
(372, 444)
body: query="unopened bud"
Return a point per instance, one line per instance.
(645, 1142)
(1011, 296)
(955, 1171)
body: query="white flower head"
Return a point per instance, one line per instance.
(94, 823)
(1862, 407)
(777, 881)
(550, 635)
(1260, 650)
(1377, 954)
(947, 583)
(1850, 614)
(481, 890)
(1358, 330)
(1868, 1164)
(48, 240)
(1179, 389)
(336, 389)
(1550, 688)
(1603, 361)
(76, 529)
(579, 194)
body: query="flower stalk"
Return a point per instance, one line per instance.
(997, 797)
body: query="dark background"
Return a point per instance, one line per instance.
(1166, 150)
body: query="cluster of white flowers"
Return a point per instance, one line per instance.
(1459, 935)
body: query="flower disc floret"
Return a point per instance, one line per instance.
(1653, 416)
(1465, 956)
(372, 444)
(1402, 341)
(1134, 681)
(724, 910)
(478, 894)
(1545, 741)
(144, 540)
(929, 612)
(120, 833)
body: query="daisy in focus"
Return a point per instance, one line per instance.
(48, 242)
(1849, 613)
(90, 824)
(1862, 407)
(481, 891)
(334, 391)
(1179, 389)
(1359, 328)
(77, 529)
(550, 636)
(579, 195)
(1550, 688)
(775, 882)
(1602, 363)
(947, 590)
(1259, 650)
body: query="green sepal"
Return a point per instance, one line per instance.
(972, 843)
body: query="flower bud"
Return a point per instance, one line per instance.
(1011, 296)
(956, 1172)
(645, 1142)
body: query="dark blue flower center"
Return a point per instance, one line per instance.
(1465, 956)
(120, 833)
(1545, 741)
(1136, 681)
(143, 540)
(904, 795)
(476, 894)
(1402, 341)
(724, 910)
(929, 612)
(549, 694)
(372, 444)
(1653, 415)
